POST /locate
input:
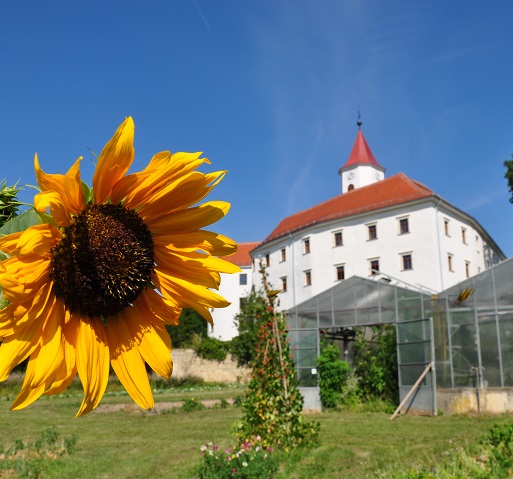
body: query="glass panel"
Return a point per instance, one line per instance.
(410, 308)
(464, 354)
(410, 374)
(303, 339)
(307, 319)
(462, 317)
(506, 334)
(344, 317)
(306, 358)
(503, 274)
(414, 331)
(489, 351)
(414, 353)
(441, 339)
(306, 378)
(367, 296)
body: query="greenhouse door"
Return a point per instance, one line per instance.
(415, 352)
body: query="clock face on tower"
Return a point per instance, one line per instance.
(378, 175)
(350, 175)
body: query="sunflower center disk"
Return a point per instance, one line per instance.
(103, 262)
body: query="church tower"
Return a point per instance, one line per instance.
(361, 169)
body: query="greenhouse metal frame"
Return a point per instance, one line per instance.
(464, 332)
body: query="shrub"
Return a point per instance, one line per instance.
(333, 377)
(249, 461)
(191, 405)
(34, 460)
(212, 349)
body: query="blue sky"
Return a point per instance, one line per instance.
(269, 90)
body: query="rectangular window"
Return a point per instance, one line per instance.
(267, 260)
(407, 261)
(467, 269)
(341, 273)
(243, 279)
(446, 227)
(449, 262)
(308, 278)
(373, 232)
(404, 227)
(464, 235)
(284, 284)
(306, 246)
(337, 238)
(242, 302)
(373, 266)
(283, 255)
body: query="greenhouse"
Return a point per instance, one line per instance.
(454, 348)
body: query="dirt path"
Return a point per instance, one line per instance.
(160, 407)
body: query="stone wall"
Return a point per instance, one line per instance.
(468, 400)
(187, 363)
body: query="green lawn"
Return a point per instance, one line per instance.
(134, 444)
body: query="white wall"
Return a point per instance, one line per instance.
(426, 241)
(230, 289)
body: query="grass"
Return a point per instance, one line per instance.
(136, 444)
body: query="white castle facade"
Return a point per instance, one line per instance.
(393, 229)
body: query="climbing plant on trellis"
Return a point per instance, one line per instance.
(272, 405)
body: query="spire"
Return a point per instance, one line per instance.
(361, 154)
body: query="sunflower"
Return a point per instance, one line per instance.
(97, 282)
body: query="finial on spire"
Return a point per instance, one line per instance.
(359, 122)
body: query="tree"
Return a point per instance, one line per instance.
(191, 328)
(247, 320)
(273, 404)
(509, 176)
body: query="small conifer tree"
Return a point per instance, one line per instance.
(272, 405)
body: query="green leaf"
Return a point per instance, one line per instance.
(20, 223)
(3, 301)
(88, 193)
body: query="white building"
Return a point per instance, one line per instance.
(234, 287)
(395, 229)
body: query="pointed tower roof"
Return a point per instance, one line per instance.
(361, 154)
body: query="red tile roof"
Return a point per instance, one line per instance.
(361, 154)
(391, 191)
(241, 257)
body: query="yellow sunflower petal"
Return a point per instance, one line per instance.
(155, 343)
(17, 348)
(213, 243)
(67, 187)
(153, 304)
(14, 315)
(182, 193)
(67, 370)
(39, 239)
(164, 169)
(127, 361)
(190, 295)
(191, 219)
(115, 160)
(198, 268)
(92, 357)
(131, 186)
(24, 276)
(53, 201)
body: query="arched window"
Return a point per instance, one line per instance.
(350, 187)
